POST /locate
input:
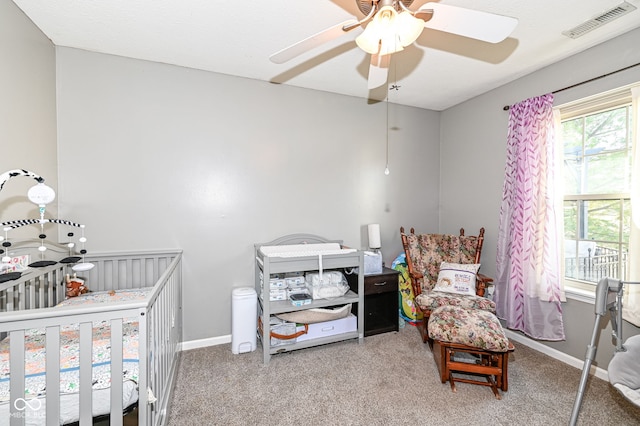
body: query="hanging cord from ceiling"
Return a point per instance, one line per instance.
(506, 107)
(386, 167)
(394, 87)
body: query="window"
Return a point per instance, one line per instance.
(597, 148)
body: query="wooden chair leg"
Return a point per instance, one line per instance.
(422, 328)
(446, 371)
(505, 367)
(503, 363)
(452, 382)
(494, 387)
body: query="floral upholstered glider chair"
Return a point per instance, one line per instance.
(449, 291)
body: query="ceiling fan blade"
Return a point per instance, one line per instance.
(312, 42)
(378, 71)
(469, 23)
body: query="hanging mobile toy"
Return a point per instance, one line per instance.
(41, 195)
(42, 262)
(71, 258)
(84, 266)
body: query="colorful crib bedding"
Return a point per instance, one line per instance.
(69, 350)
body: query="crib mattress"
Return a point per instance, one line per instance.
(69, 362)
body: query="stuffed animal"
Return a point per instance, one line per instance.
(75, 286)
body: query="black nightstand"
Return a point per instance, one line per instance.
(381, 313)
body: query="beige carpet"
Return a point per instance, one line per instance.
(388, 379)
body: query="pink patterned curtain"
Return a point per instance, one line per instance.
(528, 290)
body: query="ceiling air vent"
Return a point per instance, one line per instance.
(599, 20)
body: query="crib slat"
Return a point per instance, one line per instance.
(54, 293)
(16, 388)
(166, 315)
(40, 292)
(86, 349)
(21, 291)
(98, 281)
(60, 289)
(157, 344)
(10, 300)
(48, 294)
(161, 317)
(144, 410)
(29, 299)
(52, 350)
(155, 267)
(142, 272)
(129, 276)
(115, 271)
(116, 372)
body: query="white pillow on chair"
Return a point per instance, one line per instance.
(457, 278)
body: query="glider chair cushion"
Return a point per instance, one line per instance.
(469, 327)
(430, 301)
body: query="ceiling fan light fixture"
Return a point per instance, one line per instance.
(386, 16)
(369, 40)
(408, 28)
(378, 36)
(389, 32)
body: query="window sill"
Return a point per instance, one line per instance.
(581, 295)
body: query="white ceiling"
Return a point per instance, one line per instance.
(236, 38)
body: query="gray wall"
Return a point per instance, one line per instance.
(473, 152)
(27, 112)
(158, 156)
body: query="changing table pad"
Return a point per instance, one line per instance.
(297, 250)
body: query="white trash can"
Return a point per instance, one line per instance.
(244, 320)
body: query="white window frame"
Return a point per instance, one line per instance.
(574, 288)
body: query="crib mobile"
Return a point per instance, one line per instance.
(41, 195)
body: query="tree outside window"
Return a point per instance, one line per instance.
(597, 178)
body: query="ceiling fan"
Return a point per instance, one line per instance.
(390, 26)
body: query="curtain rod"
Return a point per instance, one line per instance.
(506, 107)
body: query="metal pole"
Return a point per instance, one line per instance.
(590, 356)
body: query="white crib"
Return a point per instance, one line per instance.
(28, 303)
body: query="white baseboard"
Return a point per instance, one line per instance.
(556, 354)
(203, 343)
